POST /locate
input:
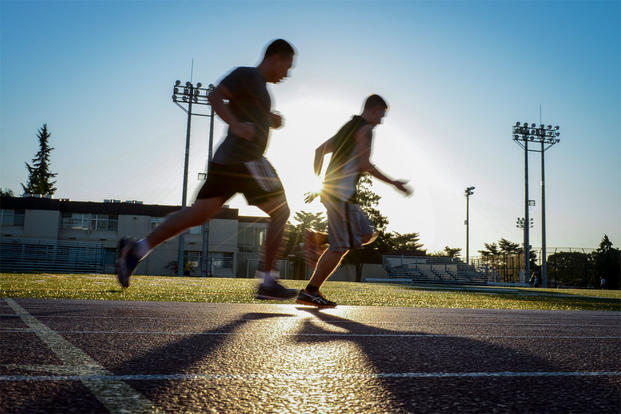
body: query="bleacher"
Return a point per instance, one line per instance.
(432, 269)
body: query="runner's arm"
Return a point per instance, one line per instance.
(320, 152)
(216, 99)
(364, 138)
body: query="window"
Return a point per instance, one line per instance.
(104, 222)
(75, 221)
(221, 260)
(155, 221)
(92, 222)
(12, 217)
(251, 238)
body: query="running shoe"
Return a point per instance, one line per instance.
(314, 299)
(126, 262)
(274, 291)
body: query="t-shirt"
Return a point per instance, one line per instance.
(250, 102)
(343, 172)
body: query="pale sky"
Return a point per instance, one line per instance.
(456, 74)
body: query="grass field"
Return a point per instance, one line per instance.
(225, 290)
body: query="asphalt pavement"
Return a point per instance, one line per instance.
(63, 356)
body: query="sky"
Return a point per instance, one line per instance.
(456, 74)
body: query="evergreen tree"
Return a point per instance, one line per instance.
(452, 252)
(39, 175)
(6, 192)
(607, 264)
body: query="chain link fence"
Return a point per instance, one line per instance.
(571, 266)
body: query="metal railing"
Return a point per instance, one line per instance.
(34, 255)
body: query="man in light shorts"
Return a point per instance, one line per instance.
(348, 226)
(238, 166)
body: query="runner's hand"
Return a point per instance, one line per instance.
(309, 197)
(401, 186)
(245, 130)
(276, 120)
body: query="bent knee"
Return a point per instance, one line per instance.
(369, 238)
(281, 213)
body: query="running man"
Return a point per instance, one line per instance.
(348, 226)
(238, 166)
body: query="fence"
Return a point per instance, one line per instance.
(561, 261)
(33, 255)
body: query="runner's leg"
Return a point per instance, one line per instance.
(201, 211)
(279, 212)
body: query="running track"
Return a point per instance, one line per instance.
(99, 356)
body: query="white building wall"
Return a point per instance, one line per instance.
(41, 224)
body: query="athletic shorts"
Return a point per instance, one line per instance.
(256, 180)
(347, 224)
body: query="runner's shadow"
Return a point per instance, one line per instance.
(174, 357)
(179, 356)
(425, 372)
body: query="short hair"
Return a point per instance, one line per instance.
(279, 47)
(373, 101)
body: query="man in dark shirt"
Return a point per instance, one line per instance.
(238, 166)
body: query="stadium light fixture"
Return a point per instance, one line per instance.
(546, 137)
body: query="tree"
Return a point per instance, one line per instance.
(507, 258)
(607, 264)
(39, 175)
(406, 244)
(6, 192)
(452, 252)
(305, 220)
(570, 268)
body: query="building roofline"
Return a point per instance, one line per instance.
(110, 208)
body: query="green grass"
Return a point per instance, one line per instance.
(226, 290)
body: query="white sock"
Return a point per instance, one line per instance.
(142, 249)
(269, 278)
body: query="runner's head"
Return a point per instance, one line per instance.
(374, 109)
(277, 60)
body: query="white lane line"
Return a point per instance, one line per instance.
(114, 394)
(293, 377)
(330, 334)
(408, 323)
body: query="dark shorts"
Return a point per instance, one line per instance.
(256, 180)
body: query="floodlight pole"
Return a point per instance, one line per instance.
(205, 265)
(526, 218)
(190, 95)
(524, 133)
(544, 265)
(469, 191)
(180, 259)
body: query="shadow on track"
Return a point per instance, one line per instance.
(416, 352)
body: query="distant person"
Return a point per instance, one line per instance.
(238, 166)
(602, 282)
(348, 226)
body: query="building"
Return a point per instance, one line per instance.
(46, 234)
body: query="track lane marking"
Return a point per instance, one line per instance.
(113, 393)
(247, 377)
(331, 334)
(508, 323)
